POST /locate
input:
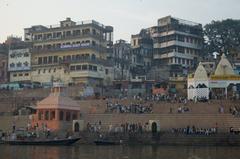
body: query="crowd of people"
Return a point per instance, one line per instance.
(96, 127)
(235, 110)
(132, 108)
(193, 130)
(128, 128)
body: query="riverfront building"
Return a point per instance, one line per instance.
(73, 52)
(177, 42)
(57, 112)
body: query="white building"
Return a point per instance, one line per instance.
(218, 84)
(19, 65)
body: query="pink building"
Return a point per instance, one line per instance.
(57, 112)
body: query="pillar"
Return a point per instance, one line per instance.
(226, 92)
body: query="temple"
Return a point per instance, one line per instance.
(56, 112)
(223, 83)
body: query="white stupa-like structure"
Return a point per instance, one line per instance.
(199, 84)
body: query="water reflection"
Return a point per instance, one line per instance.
(117, 152)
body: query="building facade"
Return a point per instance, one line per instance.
(122, 60)
(141, 53)
(19, 65)
(3, 68)
(73, 52)
(177, 42)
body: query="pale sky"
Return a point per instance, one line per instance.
(126, 16)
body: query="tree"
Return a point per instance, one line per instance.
(223, 37)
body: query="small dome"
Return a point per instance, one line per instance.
(200, 73)
(224, 67)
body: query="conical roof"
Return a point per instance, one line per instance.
(57, 100)
(224, 67)
(200, 73)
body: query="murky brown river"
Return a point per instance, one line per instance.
(117, 152)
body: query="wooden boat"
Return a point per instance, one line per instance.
(107, 142)
(67, 141)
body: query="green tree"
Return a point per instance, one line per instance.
(223, 37)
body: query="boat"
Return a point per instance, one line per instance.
(107, 142)
(67, 141)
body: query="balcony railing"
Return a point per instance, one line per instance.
(70, 36)
(75, 61)
(69, 47)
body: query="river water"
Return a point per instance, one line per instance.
(117, 152)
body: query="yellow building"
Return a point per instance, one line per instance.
(73, 52)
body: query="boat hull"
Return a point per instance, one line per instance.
(42, 142)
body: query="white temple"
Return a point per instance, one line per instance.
(200, 85)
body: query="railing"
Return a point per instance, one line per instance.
(68, 47)
(71, 36)
(86, 22)
(72, 61)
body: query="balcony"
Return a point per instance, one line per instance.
(76, 61)
(68, 37)
(69, 48)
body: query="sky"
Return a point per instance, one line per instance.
(126, 16)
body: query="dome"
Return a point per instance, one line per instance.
(200, 73)
(224, 67)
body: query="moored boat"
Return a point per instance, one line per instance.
(67, 141)
(107, 142)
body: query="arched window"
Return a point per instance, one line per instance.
(61, 114)
(68, 116)
(52, 115)
(74, 116)
(39, 115)
(46, 115)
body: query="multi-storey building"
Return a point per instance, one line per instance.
(122, 60)
(141, 53)
(3, 68)
(177, 42)
(19, 65)
(73, 52)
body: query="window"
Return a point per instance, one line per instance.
(19, 64)
(72, 68)
(68, 116)
(74, 116)
(90, 67)
(106, 71)
(181, 38)
(44, 70)
(94, 68)
(46, 115)
(39, 115)
(54, 70)
(14, 75)
(61, 115)
(78, 67)
(26, 54)
(26, 74)
(40, 60)
(12, 65)
(49, 71)
(52, 115)
(84, 67)
(55, 59)
(26, 64)
(39, 71)
(20, 74)
(45, 60)
(50, 59)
